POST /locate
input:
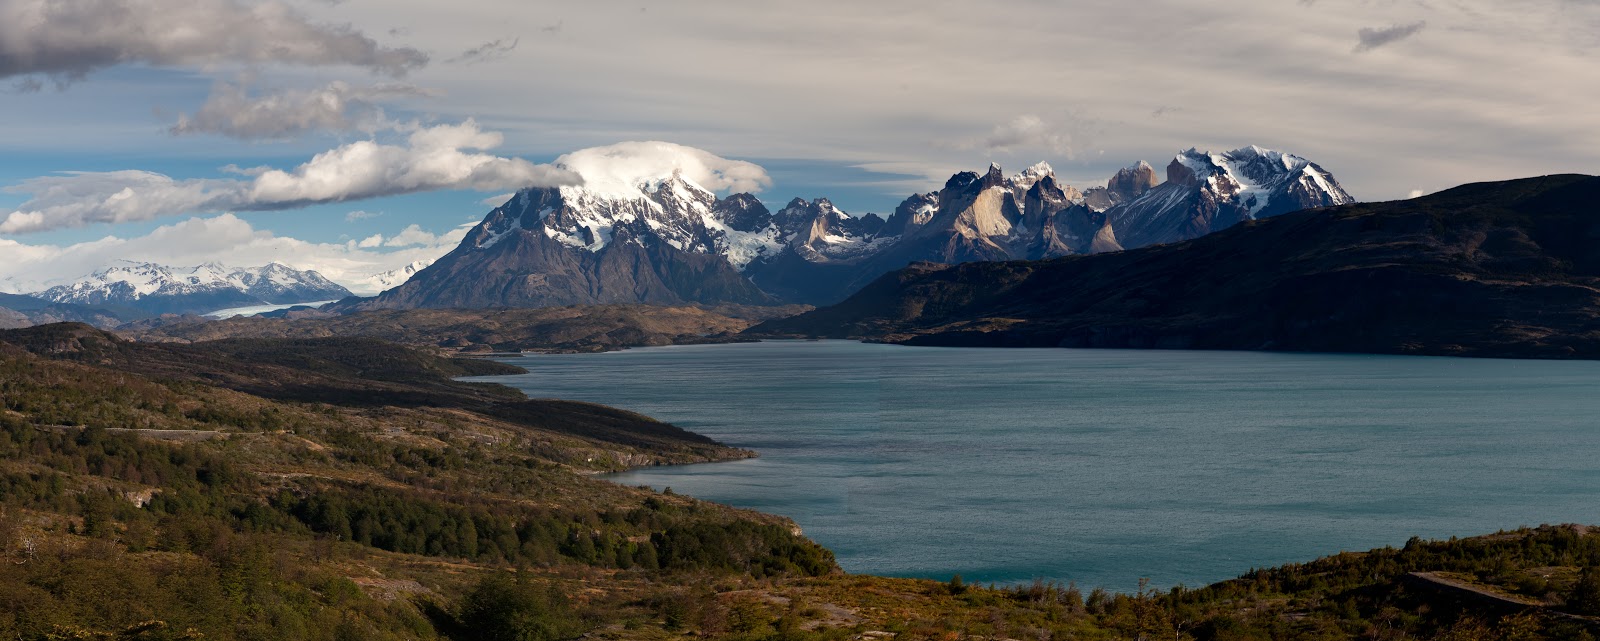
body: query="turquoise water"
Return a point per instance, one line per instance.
(1105, 466)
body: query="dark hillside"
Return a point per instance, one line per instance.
(1507, 269)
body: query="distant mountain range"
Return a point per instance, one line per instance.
(392, 278)
(1506, 269)
(17, 310)
(667, 240)
(157, 289)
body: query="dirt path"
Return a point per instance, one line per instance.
(1510, 601)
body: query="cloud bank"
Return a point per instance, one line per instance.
(231, 111)
(67, 40)
(433, 158)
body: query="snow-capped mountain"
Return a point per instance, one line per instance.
(1206, 192)
(663, 238)
(161, 289)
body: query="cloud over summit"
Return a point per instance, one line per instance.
(620, 169)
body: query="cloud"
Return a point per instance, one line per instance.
(361, 215)
(1025, 132)
(68, 40)
(413, 235)
(621, 168)
(498, 200)
(231, 111)
(829, 87)
(226, 239)
(433, 158)
(1372, 38)
(487, 51)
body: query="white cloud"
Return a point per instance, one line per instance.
(361, 215)
(66, 40)
(375, 240)
(226, 239)
(412, 236)
(496, 201)
(621, 168)
(231, 110)
(433, 158)
(1415, 193)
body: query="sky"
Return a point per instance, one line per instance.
(356, 136)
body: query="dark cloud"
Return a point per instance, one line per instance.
(1372, 38)
(487, 51)
(68, 40)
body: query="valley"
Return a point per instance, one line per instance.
(349, 320)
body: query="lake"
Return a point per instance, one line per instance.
(1105, 466)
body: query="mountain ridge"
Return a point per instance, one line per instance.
(669, 240)
(1508, 269)
(160, 289)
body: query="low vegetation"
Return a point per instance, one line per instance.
(219, 491)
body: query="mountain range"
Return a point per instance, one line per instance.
(1508, 269)
(157, 289)
(665, 239)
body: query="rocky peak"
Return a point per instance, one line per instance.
(995, 177)
(1131, 182)
(742, 212)
(960, 181)
(1044, 197)
(1180, 173)
(912, 213)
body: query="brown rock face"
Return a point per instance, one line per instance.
(1180, 174)
(1132, 182)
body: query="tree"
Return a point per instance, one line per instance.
(1585, 597)
(507, 607)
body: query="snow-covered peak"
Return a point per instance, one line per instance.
(1252, 162)
(1255, 179)
(1027, 177)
